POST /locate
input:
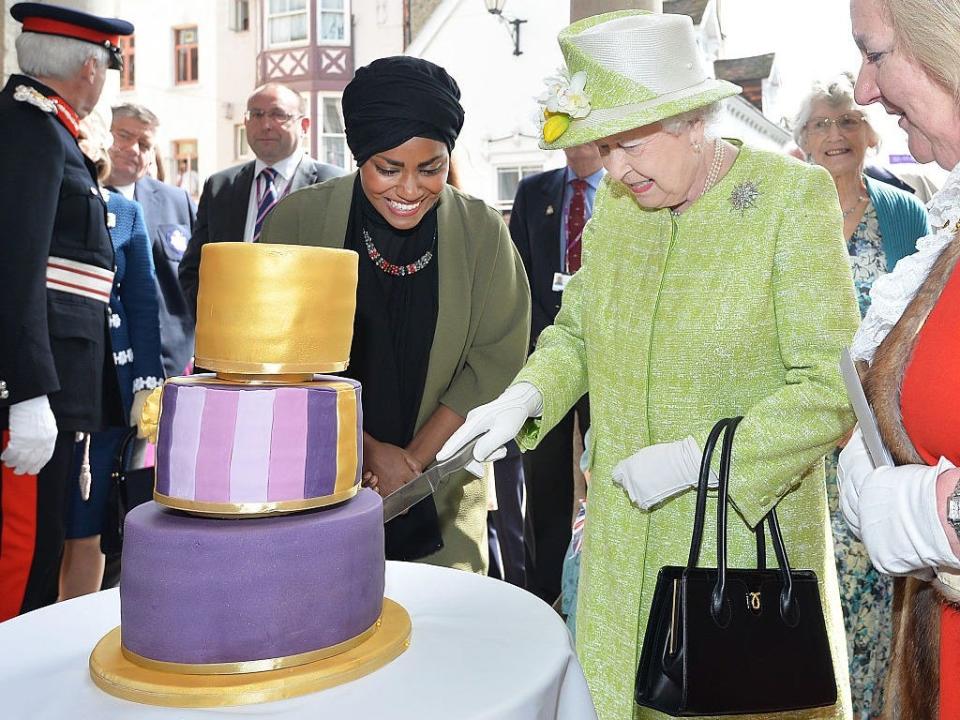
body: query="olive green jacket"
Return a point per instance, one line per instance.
(483, 324)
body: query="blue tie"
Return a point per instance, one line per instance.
(266, 198)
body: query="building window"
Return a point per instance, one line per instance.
(332, 21)
(333, 140)
(185, 164)
(241, 149)
(127, 75)
(508, 177)
(286, 22)
(240, 15)
(186, 54)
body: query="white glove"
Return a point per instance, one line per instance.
(33, 434)
(139, 398)
(899, 520)
(853, 467)
(497, 422)
(658, 472)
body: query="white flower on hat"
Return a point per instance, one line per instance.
(563, 100)
(565, 94)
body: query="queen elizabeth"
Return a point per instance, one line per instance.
(714, 283)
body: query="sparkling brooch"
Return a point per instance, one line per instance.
(744, 196)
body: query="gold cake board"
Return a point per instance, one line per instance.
(116, 675)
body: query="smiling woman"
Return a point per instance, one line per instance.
(443, 308)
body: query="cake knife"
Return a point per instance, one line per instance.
(426, 484)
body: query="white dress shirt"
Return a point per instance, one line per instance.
(126, 190)
(286, 169)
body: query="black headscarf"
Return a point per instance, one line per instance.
(397, 98)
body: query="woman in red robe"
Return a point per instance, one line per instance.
(909, 351)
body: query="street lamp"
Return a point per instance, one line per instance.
(495, 7)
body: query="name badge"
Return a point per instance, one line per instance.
(560, 281)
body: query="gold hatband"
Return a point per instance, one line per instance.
(251, 666)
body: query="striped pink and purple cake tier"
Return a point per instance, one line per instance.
(253, 449)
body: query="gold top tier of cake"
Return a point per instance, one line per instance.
(274, 310)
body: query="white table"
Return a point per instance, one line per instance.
(480, 648)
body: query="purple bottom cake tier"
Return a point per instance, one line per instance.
(241, 595)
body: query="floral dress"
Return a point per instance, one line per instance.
(864, 593)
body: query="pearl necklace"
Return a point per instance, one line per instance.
(847, 213)
(713, 174)
(719, 150)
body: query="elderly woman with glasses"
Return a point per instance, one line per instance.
(713, 283)
(881, 224)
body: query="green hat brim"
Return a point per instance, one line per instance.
(604, 122)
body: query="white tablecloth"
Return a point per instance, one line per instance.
(480, 648)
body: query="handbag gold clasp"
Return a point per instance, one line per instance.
(753, 601)
(673, 617)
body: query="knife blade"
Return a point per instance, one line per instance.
(425, 484)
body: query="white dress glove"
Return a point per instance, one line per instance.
(139, 398)
(853, 468)
(658, 472)
(900, 525)
(497, 422)
(33, 434)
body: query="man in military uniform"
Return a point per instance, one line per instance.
(56, 372)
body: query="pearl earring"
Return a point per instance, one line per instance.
(697, 146)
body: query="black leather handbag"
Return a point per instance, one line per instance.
(128, 488)
(725, 641)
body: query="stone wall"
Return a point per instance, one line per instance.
(420, 12)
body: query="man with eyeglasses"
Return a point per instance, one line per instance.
(235, 201)
(169, 213)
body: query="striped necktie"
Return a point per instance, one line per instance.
(266, 197)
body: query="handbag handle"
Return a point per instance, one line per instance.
(788, 610)
(120, 457)
(703, 483)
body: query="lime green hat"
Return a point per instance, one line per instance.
(625, 69)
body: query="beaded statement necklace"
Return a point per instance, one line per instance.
(392, 269)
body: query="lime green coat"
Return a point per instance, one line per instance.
(483, 327)
(672, 323)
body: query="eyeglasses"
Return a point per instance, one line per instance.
(277, 116)
(844, 123)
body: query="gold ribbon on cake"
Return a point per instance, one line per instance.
(252, 666)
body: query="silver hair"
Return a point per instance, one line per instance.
(53, 56)
(838, 94)
(138, 112)
(707, 114)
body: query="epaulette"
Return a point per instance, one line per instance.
(27, 94)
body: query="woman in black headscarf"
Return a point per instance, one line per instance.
(443, 307)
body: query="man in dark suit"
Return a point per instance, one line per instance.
(170, 214)
(235, 201)
(549, 212)
(56, 369)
